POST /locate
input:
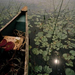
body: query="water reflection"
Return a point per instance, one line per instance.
(56, 61)
(57, 64)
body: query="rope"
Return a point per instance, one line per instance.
(20, 34)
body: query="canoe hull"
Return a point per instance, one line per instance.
(19, 22)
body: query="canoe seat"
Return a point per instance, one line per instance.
(16, 40)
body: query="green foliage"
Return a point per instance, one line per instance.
(40, 34)
(44, 53)
(44, 44)
(35, 51)
(66, 56)
(45, 57)
(44, 39)
(69, 57)
(54, 34)
(70, 63)
(39, 74)
(47, 69)
(40, 51)
(38, 68)
(72, 52)
(45, 74)
(69, 71)
(52, 38)
(29, 26)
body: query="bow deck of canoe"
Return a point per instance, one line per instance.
(14, 47)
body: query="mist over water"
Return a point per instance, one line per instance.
(37, 5)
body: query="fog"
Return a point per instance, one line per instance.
(43, 4)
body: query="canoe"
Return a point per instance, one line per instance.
(15, 32)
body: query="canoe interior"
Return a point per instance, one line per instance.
(18, 23)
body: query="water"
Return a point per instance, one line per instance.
(38, 13)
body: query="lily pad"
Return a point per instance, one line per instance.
(35, 51)
(35, 22)
(66, 56)
(45, 29)
(44, 39)
(73, 45)
(44, 57)
(38, 16)
(45, 74)
(70, 63)
(40, 51)
(39, 74)
(40, 34)
(72, 57)
(48, 35)
(37, 43)
(37, 39)
(72, 52)
(44, 53)
(37, 19)
(47, 69)
(58, 44)
(69, 71)
(61, 35)
(38, 68)
(44, 44)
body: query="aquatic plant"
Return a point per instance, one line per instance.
(47, 69)
(54, 38)
(38, 68)
(69, 71)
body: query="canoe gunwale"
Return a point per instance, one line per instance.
(27, 49)
(10, 21)
(23, 10)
